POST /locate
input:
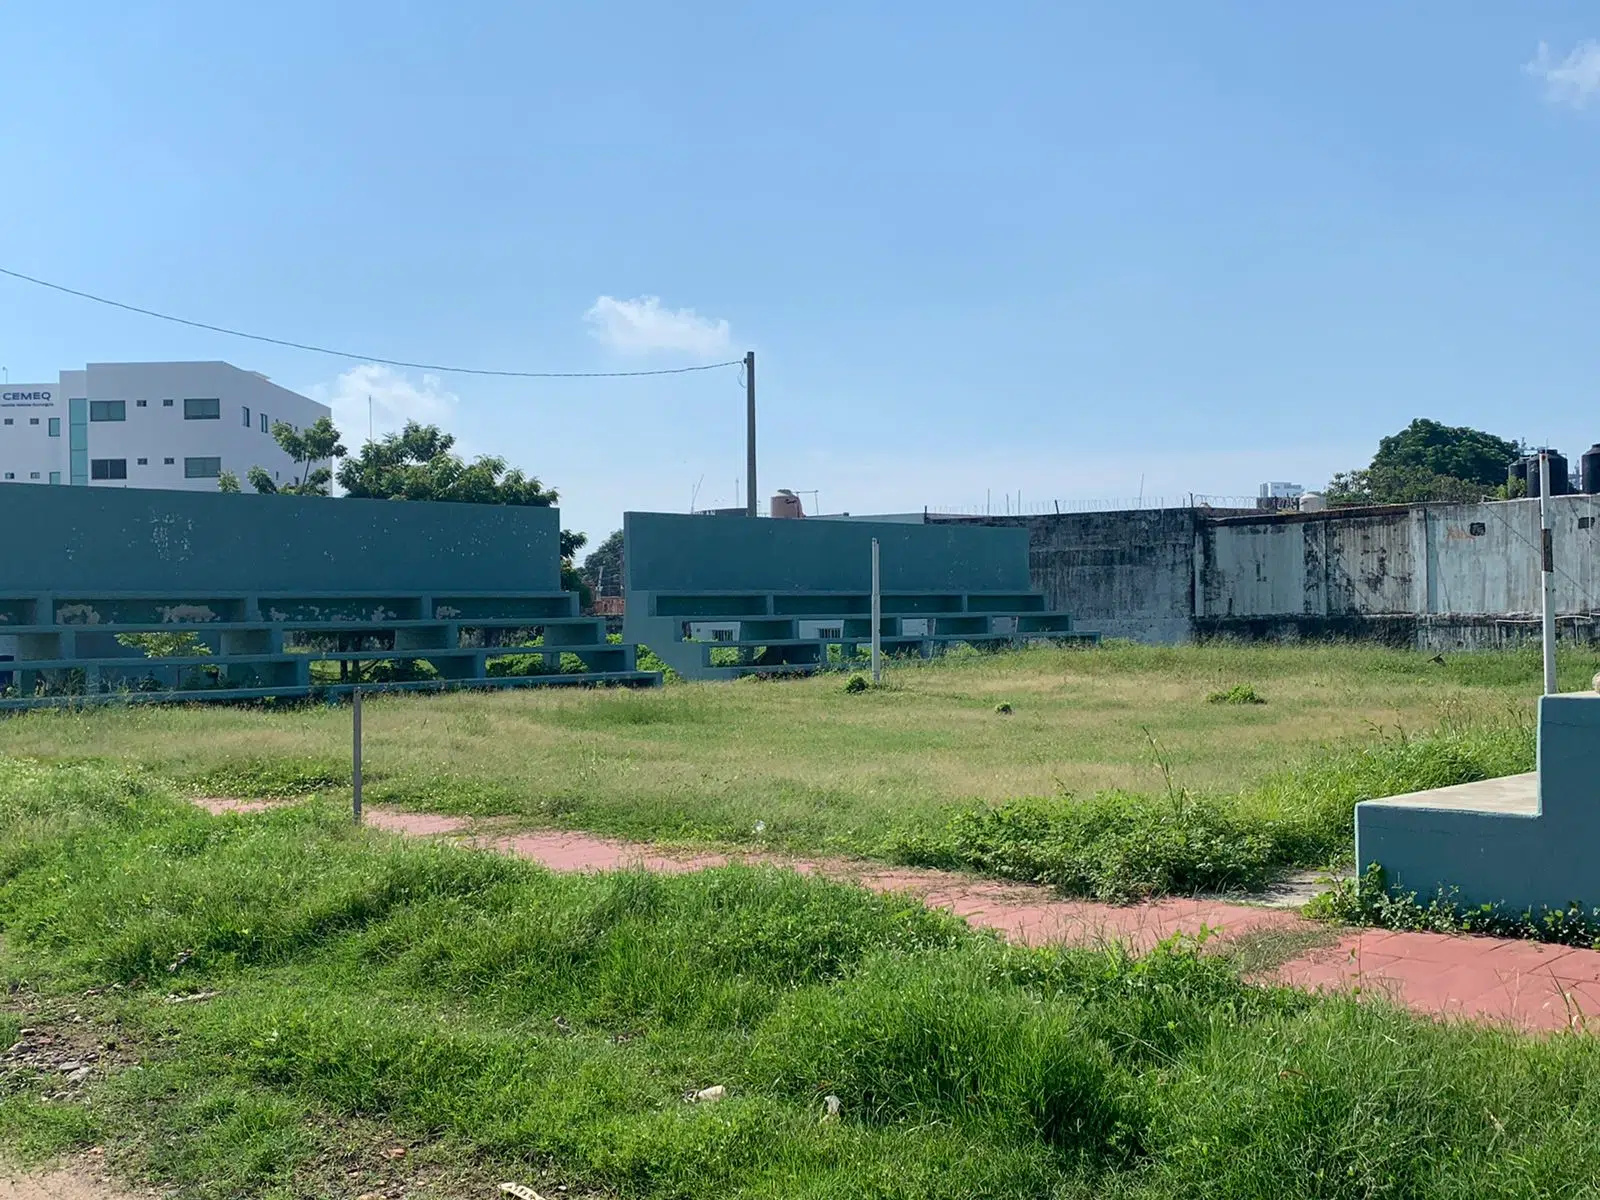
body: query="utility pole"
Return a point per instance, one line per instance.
(750, 433)
(1547, 570)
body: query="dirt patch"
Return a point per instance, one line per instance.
(217, 805)
(58, 1049)
(83, 1180)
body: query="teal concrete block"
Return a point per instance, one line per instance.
(1486, 842)
(671, 552)
(766, 577)
(78, 539)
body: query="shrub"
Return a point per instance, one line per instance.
(1239, 693)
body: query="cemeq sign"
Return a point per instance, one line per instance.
(28, 395)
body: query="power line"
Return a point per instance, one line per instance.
(372, 358)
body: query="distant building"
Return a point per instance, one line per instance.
(172, 425)
(1281, 491)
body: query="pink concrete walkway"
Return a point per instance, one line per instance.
(1527, 985)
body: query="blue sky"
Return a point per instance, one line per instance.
(1045, 248)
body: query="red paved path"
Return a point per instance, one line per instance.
(1526, 984)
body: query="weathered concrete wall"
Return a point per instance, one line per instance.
(1124, 574)
(1453, 575)
(1438, 576)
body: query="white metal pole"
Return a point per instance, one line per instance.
(355, 753)
(877, 619)
(1547, 568)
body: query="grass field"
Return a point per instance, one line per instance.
(1112, 773)
(379, 1017)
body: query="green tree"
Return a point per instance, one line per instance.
(602, 570)
(316, 444)
(420, 463)
(1429, 461)
(185, 644)
(228, 482)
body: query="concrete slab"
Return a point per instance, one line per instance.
(1510, 794)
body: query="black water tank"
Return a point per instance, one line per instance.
(1517, 473)
(1560, 481)
(1590, 475)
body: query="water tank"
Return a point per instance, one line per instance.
(1313, 502)
(786, 504)
(1590, 464)
(1517, 473)
(1560, 479)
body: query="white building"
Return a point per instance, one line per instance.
(154, 425)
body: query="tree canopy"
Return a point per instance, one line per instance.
(419, 463)
(317, 443)
(602, 570)
(1429, 461)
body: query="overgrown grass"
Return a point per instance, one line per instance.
(1109, 773)
(544, 1022)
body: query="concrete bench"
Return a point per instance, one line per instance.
(1524, 842)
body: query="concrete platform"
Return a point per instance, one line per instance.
(1517, 794)
(1526, 842)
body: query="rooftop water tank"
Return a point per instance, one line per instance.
(786, 504)
(1590, 474)
(1560, 478)
(1517, 473)
(1313, 502)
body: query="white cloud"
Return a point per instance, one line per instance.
(1575, 80)
(641, 325)
(396, 399)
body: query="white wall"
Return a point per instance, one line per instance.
(156, 431)
(26, 448)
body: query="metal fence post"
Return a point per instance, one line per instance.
(355, 754)
(877, 619)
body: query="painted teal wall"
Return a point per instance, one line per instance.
(670, 552)
(99, 540)
(1543, 861)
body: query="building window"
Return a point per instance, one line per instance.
(33, 474)
(141, 404)
(108, 410)
(202, 468)
(55, 426)
(55, 476)
(166, 403)
(830, 632)
(108, 468)
(9, 421)
(1478, 528)
(247, 416)
(166, 462)
(263, 422)
(11, 474)
(33, 420)
(144, 462)
(202, 410)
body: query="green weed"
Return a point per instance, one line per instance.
(559, 1022)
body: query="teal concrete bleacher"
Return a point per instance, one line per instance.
(264, 586)
(787, 592)
(1528, 842)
